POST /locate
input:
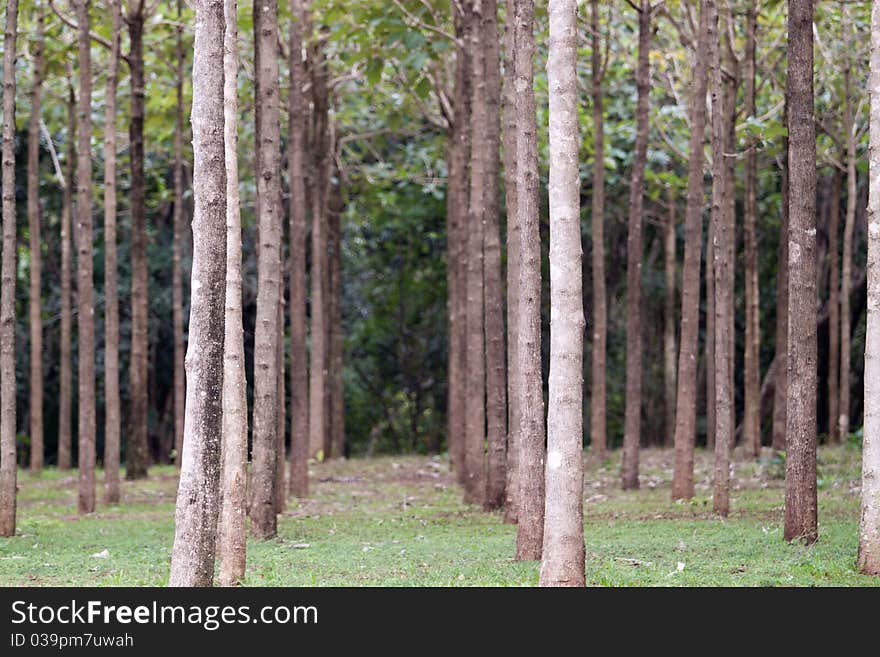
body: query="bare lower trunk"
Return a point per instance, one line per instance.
(800, 457)
(563, 554)
(709, 345)
(669, 319)
(232, 523)
(530, 430)
(8, 465)
(281, 412)
(192, 559)
(85, 286)
(337, 344)
(265, 446)
(299, 400)
(686, 397)
(65, 374)
(177, 253)
(780, 392)
(634, 249)
(834, 311)
(34, 231)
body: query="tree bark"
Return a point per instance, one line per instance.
(563, 551)
(496, 372)
(265, 448)
(136, 453)
(686, 397)
(337, 342)
(598, 394)
(669, 352)
(232, 522)
(177, 250)
(35, 243)
(65, 392)
(281, 411)
(709, 346)
(85, 267)
(780, 392)
(192, 558)
(299, 400)
(834, 310)
(800, 457)
(8, 465)
(869, 526)
(529, 439)
(634, 249)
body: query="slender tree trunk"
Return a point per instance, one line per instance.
(85, 268)
(337, 343)
(834, 311)
(136, 453)
(598, 438)
(709, 346)
(800, 457)
(112, 412)
(232, 522)
(65, 392)
(686, 397)
(848, 228)
(752, 383)
(869, 527)
(496, 372)
(299, 400)
(281, 413)
(529, 438)
(34, 231)
(192, 559)
(780, 392)
(265, 448)
(634, 249)
(669, 319)
(563, 553)
(8, 464)
(177, 250)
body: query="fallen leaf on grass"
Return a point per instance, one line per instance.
(103, 554)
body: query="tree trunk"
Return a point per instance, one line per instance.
(34, 231)
(299, 400)
(337, 343)
(709, 346)
(869, 526)
(85, 318)
(281, 412)
(177, 251)
(848, 228)
(563, 553)
(496, 374)
(192, 559)
(232, 523)
(669, 319)
(136, 453)
(752, 383)
(598, 427)
(265, 447)
(475, 373)
(686, 397)
(529, 438)
(834, 311)
(8, 465)
(780, 392)
(65, 392)
(800, 429)
(634, 249)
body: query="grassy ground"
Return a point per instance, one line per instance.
(400, 521)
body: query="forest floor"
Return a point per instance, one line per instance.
(400, 521)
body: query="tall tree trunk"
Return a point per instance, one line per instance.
(496, 372)
(709, 345)
(834, 310)
(65, 374)
(752, 383)
(34, 231)
(509, 135)
(8, 465)
(634, 249)
(337, 344)
(137, 453)
(475, 373)
(669, 318)
(281, 412)
(112, 412)
(869, 526)
(265, 448)
(686, 397)
(232, 522)
(529, 438)
(458, 154)
(598, 438)
(85, 319)
(192, 559)
(800, 425)
(299, 399)
(848, 228)
(177, 250)
(563, 553)
(780, 390)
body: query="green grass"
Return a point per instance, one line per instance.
(400, 522)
